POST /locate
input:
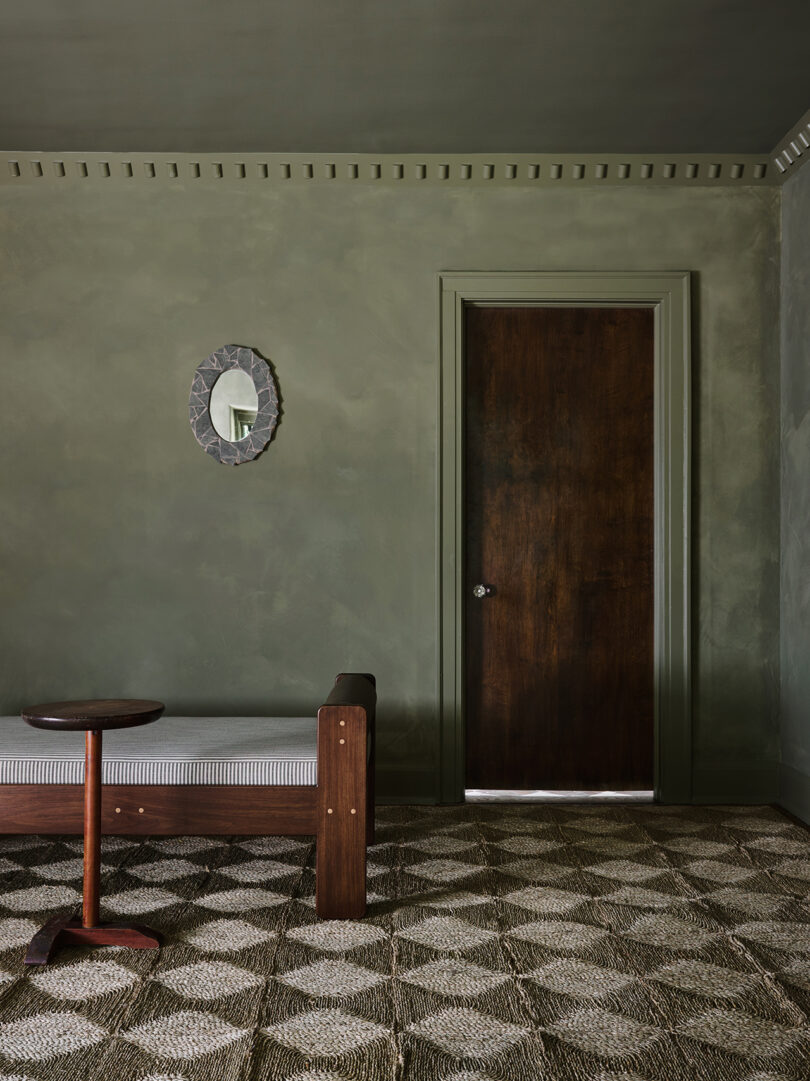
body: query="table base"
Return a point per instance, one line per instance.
(69, 931)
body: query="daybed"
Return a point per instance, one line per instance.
(217, 775)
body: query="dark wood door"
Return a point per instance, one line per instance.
(559, 520)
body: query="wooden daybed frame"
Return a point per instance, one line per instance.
(338, 810)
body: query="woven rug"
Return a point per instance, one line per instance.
(502, 943)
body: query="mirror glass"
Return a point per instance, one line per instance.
(233, 405)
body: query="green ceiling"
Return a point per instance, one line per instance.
(376, 76)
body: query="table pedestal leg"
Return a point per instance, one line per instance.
(87, 931)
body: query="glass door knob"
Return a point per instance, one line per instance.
(480, 591)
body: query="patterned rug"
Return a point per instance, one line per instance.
(565, 942)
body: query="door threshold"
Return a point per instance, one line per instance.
(542, 795)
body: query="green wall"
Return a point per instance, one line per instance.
(795, 586)
(134, 564)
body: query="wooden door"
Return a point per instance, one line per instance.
(559, 490)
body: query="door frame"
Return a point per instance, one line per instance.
(668, 294)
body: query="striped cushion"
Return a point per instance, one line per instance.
(173, 750)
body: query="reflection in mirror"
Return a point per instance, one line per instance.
(233, 405)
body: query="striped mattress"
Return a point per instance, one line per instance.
(173, 750)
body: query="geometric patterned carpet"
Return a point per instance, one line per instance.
(502, 943)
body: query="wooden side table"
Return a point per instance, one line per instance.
(91, 717)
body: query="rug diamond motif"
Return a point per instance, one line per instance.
(597, 825)
(65, 870)
(452, 899)
(545, 899)
(446, 933)
(209, 980)
(469, 1075)
(535, 870)
(444, 870)
(693, 846)
(608, 1035)
(241, 900)
(786, 935)
(46, 1035)
(136, 902)
(753, 904)
(332, 979)
(227, 936)
(84, 980)
(580, 979)
(164, 870)
(465, 1033)
(669, 932)
(560, 935)
(756, 825)
(184, 1035)
(612, 846)
(258, 870)
(797, 973)
(718, 872)
(438, 845)
(704, 979)
(316, 1075)
(326, 1032)
(517, 825)
(638, 897)
(39, 898)
(673, 824)
(528, 846)
(21, 843)
(455, 978)
(626, 870)
(108, 845)
(743, 1035)
(338, 936)
(794, 869)
(780, 846)
(16, 932)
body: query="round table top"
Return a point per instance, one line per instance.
(96, 714)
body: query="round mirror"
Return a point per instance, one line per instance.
(233, 405)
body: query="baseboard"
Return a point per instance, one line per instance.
(406, 785)
(794, 792)
(735, 784)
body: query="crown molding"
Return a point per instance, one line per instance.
(390, 170)
(793, 151)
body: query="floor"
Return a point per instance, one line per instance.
(579, 942)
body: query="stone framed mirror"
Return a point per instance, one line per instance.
(233, 405)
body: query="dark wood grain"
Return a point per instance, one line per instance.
(360, 688)
(163, 810)
(96, 713)
(340, 879)
(559, 519)
(92, 828)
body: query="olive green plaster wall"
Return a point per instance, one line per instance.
(134, 564)
(795, 591)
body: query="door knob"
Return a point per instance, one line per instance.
(480, 591)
